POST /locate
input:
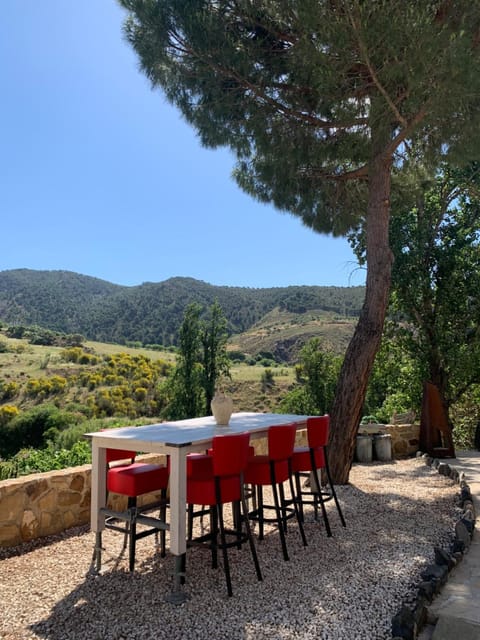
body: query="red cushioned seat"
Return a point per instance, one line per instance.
(301, 459)
(258, 470)
(136, 479)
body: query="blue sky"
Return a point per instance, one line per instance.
(100, 175)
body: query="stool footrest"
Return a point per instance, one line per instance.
(153, 522)
(208, 537)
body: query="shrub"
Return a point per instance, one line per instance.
(8, 390)
(298, 401)
(267, 380)
(45, 386)
(140, 394)
(32, 428)
(29, 461)
(67, 438)
(7, 412)
(236, 356)
(71, 355)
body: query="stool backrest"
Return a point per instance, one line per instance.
(281, 441)
(120, 454)
(230, 454)
(317, 431)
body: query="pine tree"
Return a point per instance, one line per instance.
(323, 102)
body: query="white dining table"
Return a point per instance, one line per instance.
(176, 439)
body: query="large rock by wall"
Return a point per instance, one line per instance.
(405, 439)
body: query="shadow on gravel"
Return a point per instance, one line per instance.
(348, 586)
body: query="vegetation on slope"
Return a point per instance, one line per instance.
(151, 313)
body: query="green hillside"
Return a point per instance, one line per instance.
(151, 313)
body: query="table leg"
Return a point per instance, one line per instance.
(178, 501)
(178, 530)
(98, 499)
(177, 595)
(97, 552)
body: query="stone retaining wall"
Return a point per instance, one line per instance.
(44, 504)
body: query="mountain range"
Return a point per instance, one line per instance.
(151, 313)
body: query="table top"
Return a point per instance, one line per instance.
(182, 433)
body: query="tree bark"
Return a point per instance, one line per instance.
(352, 385)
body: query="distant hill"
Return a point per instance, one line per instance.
(151, 313)
(283, 333)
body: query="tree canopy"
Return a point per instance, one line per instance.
(297, 88)
(323, 102)
(436, 280)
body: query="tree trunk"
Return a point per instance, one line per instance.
(352, 385)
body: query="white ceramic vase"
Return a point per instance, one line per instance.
(222, 408)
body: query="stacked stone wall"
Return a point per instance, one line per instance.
(405, 437)
(43, 504)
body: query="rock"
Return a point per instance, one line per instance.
(443, 469)
(443, 558)
(465, 494)
(468, 522)
(420, 612)
(458, 548)
(435, 572)
(403, 624)
(462, 534)
(426, 589)
(454, 475)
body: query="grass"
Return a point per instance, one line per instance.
(103, 348)
(24, 360)
(253, 373)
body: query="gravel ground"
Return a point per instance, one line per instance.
(347, 587)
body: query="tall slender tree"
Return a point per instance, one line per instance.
(186, 383)
(323, 102)
(202, 360)
(216, 363)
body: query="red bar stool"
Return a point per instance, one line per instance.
(307, 461)
(133, 479)
(202, 466)
(214, 480)
(273, 470)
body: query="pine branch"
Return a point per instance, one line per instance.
(364, 52)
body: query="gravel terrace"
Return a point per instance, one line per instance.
(347, 587)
